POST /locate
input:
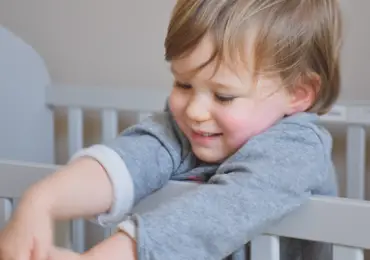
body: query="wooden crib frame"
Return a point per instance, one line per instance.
(343, 222)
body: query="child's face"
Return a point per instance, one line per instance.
(219, 112)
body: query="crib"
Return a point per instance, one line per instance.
(342, 221)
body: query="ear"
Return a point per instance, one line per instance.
(304, 93)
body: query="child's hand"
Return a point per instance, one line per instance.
(28, 235)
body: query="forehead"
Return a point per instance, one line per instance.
(186, 67)
(239, 76)
(201, 54)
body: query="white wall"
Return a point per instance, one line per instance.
(94, 42)
(356, 50)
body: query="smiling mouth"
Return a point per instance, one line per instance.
(206, 134)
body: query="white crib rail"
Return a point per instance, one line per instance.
(15, 178)
(99, 98)
(338, 221)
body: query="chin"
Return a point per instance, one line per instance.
(208, 157)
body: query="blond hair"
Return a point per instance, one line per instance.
(294, 38)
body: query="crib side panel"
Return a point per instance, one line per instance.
(27, 127)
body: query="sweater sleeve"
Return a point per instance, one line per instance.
(264, 181)
(139, 161)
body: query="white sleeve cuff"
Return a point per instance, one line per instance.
(123, 186)
(129, 227)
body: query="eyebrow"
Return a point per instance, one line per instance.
(172, 69)
(183, 75)
(178, 74)
(221, 85)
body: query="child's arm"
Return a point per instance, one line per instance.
(65, 194)
(106, 180)
(272, 175)
(80, 189)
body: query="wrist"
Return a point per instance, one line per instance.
(36, 200)
(129, 244)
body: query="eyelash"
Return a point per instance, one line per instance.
(225, 99)
(220, 98)
(183, 85)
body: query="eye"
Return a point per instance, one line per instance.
(224, 99)
(183, 85)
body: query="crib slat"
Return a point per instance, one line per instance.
(75, 130)
(109, 124)
(356, 161)
(265, 247)
(6, 208)
(75, 143)
(347, 253)
(109, 131)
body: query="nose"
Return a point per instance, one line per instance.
(198, 109)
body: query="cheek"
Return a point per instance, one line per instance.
(235, 124)
(242, 123)
(176, 103)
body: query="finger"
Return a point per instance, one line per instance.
(41, 245)
(38, 251)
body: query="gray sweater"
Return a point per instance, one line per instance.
(272, 175)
